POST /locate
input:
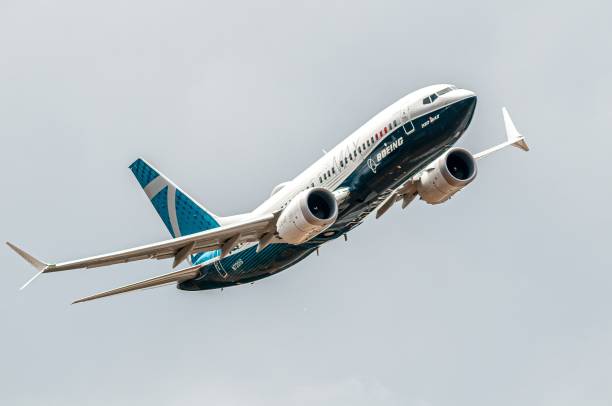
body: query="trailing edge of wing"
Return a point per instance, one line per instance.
(249, 230)
(178, 276)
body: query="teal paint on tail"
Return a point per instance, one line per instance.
(180, 213)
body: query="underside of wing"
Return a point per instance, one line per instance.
(223, 238)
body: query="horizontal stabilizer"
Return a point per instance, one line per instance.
(178, 276)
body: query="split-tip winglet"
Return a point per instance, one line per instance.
(514, 137)
(40, 266)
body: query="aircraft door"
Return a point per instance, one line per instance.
(405, 114)
(406, 120)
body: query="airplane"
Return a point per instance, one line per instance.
(405, 151)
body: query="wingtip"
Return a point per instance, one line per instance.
(31, 279)
(39, 265)
(512, 133)
(521, 144)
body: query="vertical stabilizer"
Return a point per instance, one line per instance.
(181, 214)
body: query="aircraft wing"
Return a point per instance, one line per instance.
(408, 190)
(260, 228)
(514, 138)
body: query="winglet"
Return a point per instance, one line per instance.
(40, 266)
(514, 138)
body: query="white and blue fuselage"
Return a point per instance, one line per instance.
(365, 167)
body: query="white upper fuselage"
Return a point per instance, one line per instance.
(403, 152)
(335, 166)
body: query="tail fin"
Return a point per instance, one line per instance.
(180, 213)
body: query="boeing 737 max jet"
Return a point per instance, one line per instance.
(403, 152)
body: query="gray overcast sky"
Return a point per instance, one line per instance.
(501, 296)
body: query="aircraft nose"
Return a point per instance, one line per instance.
(464, 105)
(463, 94)
(465, 100)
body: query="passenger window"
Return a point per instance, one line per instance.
(320, 180)
(312, 185)
(394, 123)
(390, 128)
(368, 142)
(359, 149)
(329, 174)
(372, 139)
(333, 170)
(342, 163)
(345, 160)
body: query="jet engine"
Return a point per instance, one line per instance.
(446, 176)
(308, 214)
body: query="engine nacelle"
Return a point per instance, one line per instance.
(308, 214)
(447, 175)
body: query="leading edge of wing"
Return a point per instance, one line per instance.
(204, 241)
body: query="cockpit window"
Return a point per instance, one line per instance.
(444, 91)
(432, 98)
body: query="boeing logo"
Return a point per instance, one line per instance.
(384, 153)
(372, 165)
